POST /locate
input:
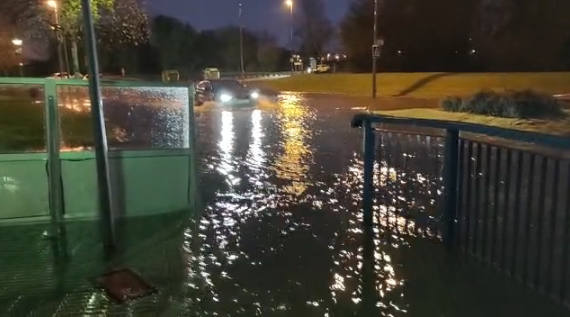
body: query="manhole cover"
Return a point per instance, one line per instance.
(123, 285)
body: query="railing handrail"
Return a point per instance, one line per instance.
(555, 141)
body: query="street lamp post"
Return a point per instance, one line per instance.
(18, 44)
(289, 3)
(53, 5)
(240, 11)
(375, 48)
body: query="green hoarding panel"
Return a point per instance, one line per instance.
(23, 189)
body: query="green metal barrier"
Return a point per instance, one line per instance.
(47, 165)
(505, 196)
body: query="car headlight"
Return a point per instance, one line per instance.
(254, 95)
(225, 97)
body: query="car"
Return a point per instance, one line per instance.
(60, 76)
(322, 68)
(226, 92)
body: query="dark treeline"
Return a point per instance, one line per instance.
(174, 45)
(466, 35)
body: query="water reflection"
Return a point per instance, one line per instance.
(256, 155)
(225, 148)
(293, 163)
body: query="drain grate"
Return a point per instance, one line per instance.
(124, 285)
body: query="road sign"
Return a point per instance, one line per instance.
(376, 50)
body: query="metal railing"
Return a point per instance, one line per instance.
(499, 196)
(255, 75)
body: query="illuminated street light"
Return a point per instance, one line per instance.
(52, 4)
(289, 3)
(18, 43)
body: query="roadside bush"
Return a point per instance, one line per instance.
(516, 104)
(452, 104)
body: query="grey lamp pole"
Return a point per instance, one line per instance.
(53, 4)
(375, 48)
(102, 160)
(240, 11)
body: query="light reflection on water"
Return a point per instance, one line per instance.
(292, 164)
(283, 232)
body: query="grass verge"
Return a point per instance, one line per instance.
(422, 85)
(556, 127)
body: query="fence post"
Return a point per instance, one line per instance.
(368, 276)
(54, 163)
(450, 176)
(369, 145)
(192, 169)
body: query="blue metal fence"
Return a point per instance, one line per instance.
(499, 196)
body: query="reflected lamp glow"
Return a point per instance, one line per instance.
(17, 42)
(254, 95)
(225, 97)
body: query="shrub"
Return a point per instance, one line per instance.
(516, 104)
(452, 104)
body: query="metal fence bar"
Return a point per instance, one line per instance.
(450, 180)
(468, 186)
(460, 194)
(527, 222)
(192, 177)
(369, 148)
(516, 211)
(540, 218)
(565, 238)
(478, 169)
(485, 201)
(552, 227)
(495, 209)
(55, 190)
(507, 204)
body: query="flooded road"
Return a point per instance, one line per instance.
(279, 233)
(277, 191)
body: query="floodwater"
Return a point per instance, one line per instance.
(279, 234)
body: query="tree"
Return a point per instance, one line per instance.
(71, 22)
(418, 35)
(26, 20)
(449, 35)
(10, 57)
(314, 29)
(122, 30)
(270, 56)
(175, 44)
(524, 34)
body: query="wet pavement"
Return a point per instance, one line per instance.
(279, 234)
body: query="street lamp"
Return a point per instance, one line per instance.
(53, 5)
(18, 44)
(240, 13)
(289, 3)
(375, 48)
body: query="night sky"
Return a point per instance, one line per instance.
(259, 15)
